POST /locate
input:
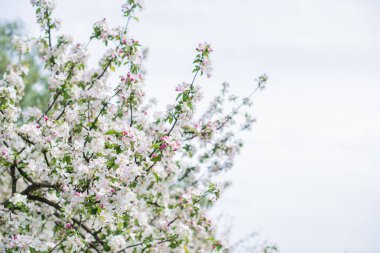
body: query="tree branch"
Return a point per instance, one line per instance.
(131, 109)
(59, 208)
(36, 186)
(14, 179)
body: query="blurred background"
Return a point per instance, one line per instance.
(308, 177)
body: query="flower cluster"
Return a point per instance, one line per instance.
(203, 59)
(20, 44)
(97, 170)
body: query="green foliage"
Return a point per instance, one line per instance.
(36, 85)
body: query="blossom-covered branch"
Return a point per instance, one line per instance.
(99, 170)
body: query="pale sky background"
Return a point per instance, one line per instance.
(309, 176)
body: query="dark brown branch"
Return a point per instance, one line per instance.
(57, 94)
(25, 176)
(141, 243)
(153, 203)
(30, 188)
(61, 114)
(172, 221)
(47, 16)
(46, 159)
(26, 139)
(101, 74)
(50, 106)
(58, 207)
(36, 186)
(131, 109)
(6, 144)
(45, 201)
(61, 241)
(172, 128)
(14, 179)
(88, 230)
(90, 244)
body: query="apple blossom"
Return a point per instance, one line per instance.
(99, 170)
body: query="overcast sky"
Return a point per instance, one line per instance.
(309, 176)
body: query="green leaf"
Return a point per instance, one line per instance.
(157, 159)
(157, 177)
(106, 247)
(111, 132)
(155, 145)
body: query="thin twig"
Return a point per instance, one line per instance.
(14, 179)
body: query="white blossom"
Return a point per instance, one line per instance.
(18, 199)
(101, 168)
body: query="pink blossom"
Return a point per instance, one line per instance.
(4, 152)
(175, 145)
(164, 138)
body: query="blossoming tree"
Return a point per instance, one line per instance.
(98, 170)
